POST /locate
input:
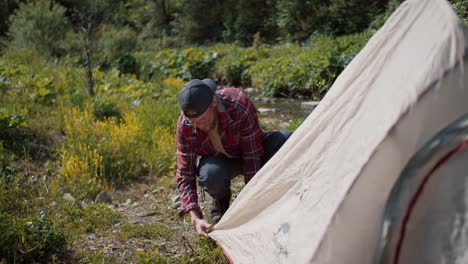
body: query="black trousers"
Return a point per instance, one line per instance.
(215, 173)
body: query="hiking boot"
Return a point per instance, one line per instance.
(219, 207)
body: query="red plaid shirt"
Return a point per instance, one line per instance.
(240, 134)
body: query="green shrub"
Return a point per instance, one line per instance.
(461, 7)
(199, 64)
(308, 71)
(116, 46)
(187, 64)
(234, 62)
(104, 109)
(29, 239)
(75, 220)
(39, 24)
(27, 232)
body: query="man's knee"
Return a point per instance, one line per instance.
(214, 178)
(272, 142)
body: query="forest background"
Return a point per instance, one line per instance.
(88, 108)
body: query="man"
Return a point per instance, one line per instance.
(221, 129)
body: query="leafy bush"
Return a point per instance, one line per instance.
(187, 64)
(234, 62)
(76, 220)
(100, 150)
(27, 232)
(105, 109)
(117, 45)
(40, 24)
(208, 253)
(29, 239)
(461, 7)
(306, 71)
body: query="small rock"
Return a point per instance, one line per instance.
(86, 202)
(309, 104)
(103, 197)
(127, 202)
(268, 110)
(68, 197)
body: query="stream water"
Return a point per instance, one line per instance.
(279, 113)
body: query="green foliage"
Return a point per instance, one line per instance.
(76, 220)
(116, 46)
(306, 71)
(297, 19)
(187, 64)
(207, 253)
(6, 9)
(23, 90)
(380, 19)
(199, 64)
(104, 109)
(39, 24)
(295, 123)
(29, 239)
(148, 231)
(27, 232)
(461, 7)
(201, 21)
(348, 17)
(234, 62)
(249, 21)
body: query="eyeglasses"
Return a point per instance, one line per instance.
(203, 118)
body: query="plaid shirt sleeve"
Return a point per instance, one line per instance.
(251, 142)
(186, 171)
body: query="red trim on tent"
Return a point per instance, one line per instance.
(415, 198)
(225, 253)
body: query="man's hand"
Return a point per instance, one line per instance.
(201, 226)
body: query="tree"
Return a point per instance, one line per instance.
(88, 16)
(201, 21)
(252, 19)
(6, 9)
(40, 24)
(347, 17)
(298, 19)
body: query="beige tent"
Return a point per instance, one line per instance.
(321, 199)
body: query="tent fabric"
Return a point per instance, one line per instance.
(437, 229)
(425, 214)
(320, 199)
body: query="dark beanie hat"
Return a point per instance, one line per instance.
(196, 96)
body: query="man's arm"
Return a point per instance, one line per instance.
(201, 226)
(186, 172)
(187, 183)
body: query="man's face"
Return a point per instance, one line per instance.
(206, 121)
